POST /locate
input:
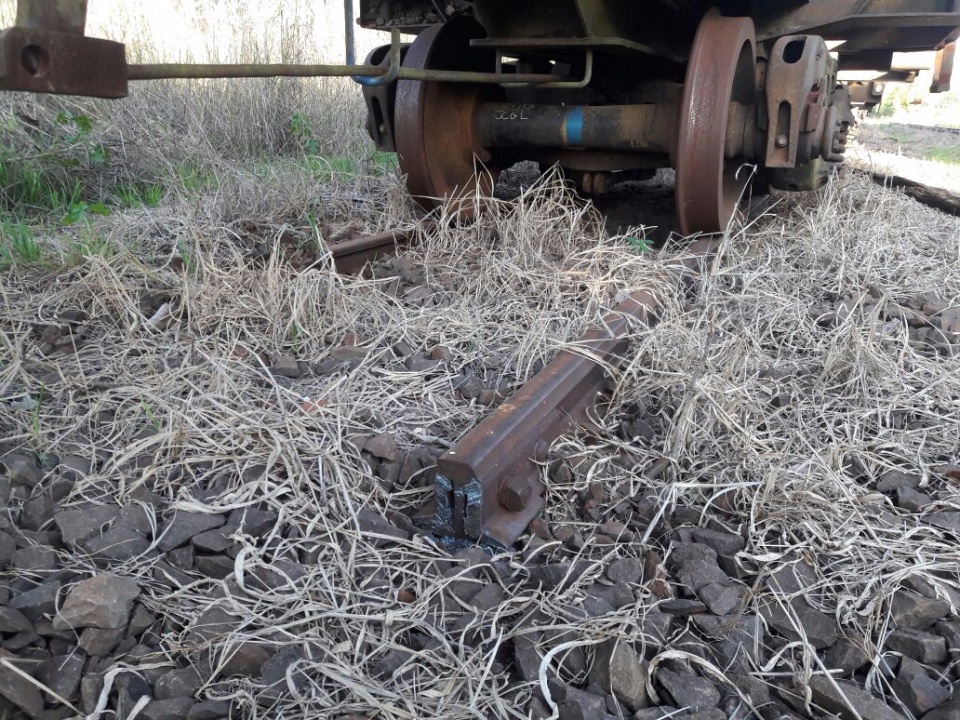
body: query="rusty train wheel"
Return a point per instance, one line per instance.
(721, 71)
(435, 133)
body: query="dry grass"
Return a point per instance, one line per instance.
(189, 413)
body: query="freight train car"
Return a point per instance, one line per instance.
(727, 92)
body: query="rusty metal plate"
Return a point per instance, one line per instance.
(45, 61)
(943, 69)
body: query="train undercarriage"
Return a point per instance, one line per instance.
(733, 96)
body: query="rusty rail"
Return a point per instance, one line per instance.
(489, 484)
(350, 256)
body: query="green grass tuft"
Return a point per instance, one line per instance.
(18, 244)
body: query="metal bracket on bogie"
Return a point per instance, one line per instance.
(47, 52)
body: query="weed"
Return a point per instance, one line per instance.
(140, 194)
(191, 176)
(186, 255)
(79, 209)
(949, 154)
(17, 244)
(90, 245)
(303, 133)
(640, 244)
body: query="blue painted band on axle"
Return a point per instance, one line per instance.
(573, 126)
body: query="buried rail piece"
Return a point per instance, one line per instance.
(350, 256)
(488, 485)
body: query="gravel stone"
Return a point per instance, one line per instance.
(79, 525)
(793, 578)
(698, 574)
(213, 623)
(688, 690)
(619, 670)
(950, 631)
(96, 641)
(722, 543)
(209, 710)
(922, 646)
(557, 576)
(382, 446)
(20, 641)
(526, 657)
(285, 366)
(948, 711)
(74, 467)
(917, 689)
(720, 599)
(391, 663)
(183, 526)
(103, 601)
(246, 661)
(18, 690)
(182, 558)
(946, 520)
(119, 544)
(182, 683)
(846, 656)
(130, 688)
(22, 469)
(912, 500)
(736, 641)
(596, 607)
(850, 693)
(252, 521)
(172, 709)
(912, 610)
(40, 601)
(372, 523)
(137, 517)
(214, 566)
(62, 674)
(7, 547)
(626, 570)
(214, 541)
(170, 576)
(819, 629)
(37, 512)
(489, 597)
(13, 621)
(657, 713)
(579, 705)
(891, 480)
(683, 607)
(656, 625)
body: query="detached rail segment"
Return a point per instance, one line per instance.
(937, 198)
(488, 485)
(350, 256)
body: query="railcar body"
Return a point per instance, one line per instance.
(728, 92)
